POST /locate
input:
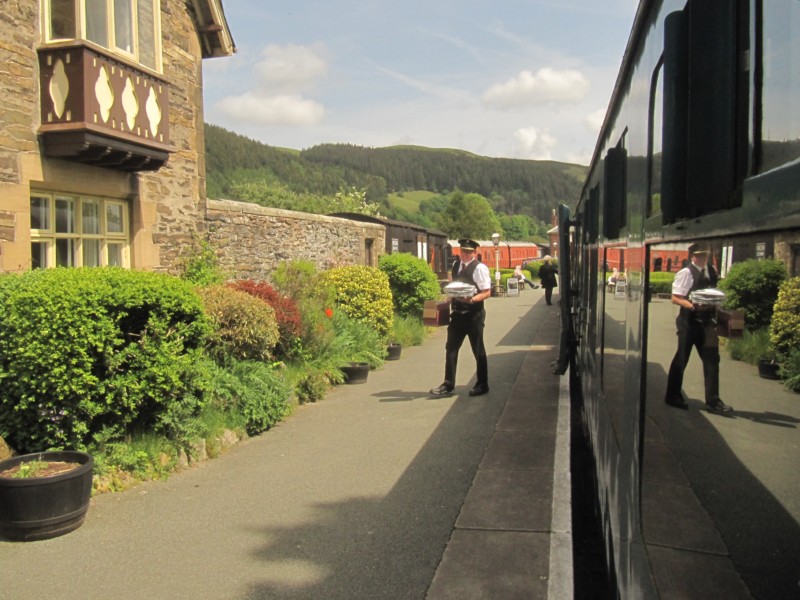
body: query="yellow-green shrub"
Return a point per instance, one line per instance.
(245, 327)
(363, 293)
(785, 325)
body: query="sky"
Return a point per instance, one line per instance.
(520, 79)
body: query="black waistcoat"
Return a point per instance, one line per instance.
(466, 277)
(699, 282)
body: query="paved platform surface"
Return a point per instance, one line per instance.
(381, 492)
(376, 492)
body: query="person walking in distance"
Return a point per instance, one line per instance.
(696, 328)
(467, 318)
(547, 274)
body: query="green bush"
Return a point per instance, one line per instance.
(363, 294)
(661, 282)
(88, 352)
(752, 287)
(752, 347)
(411, 280)
(408, 331)
(245, 327)
(785, 325)
(790, 371)
(251, 390)
(201, 265)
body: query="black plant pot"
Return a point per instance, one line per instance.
(39, 508)
(393, 351)
(768, 369)
(356, 372)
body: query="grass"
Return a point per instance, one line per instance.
(410, 201)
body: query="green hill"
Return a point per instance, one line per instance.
(403, 179)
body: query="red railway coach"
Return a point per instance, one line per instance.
(510, 254)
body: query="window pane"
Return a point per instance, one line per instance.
(147, 34)
(114, 255)
(91, 253)
(40, 212)
(656, 146)
(781, 62)
(65, 253)
(123, 25)
(114, 218)
(65, 215)
(97, 22)
(62, 19)
(38, 255)
(90, 216)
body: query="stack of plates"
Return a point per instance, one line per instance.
(457, 289)
(708, 296)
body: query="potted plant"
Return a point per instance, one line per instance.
(355, 372)
(768, 367)
(393, 351)
(45, 494)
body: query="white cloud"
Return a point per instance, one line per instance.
(290, 68)
(272, 110)
(533, 144)
(275, 98)
(594, 121)
(543, 87)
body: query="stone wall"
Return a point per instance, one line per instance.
(251, 240)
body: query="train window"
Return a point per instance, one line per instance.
(704, 110)
(780, 68)
(615, 205)
(654, 144)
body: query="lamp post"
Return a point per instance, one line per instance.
(496, 242)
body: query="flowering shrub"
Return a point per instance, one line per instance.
(363, 294)
(286, 312)
(245, 327)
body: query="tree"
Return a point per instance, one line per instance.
(469, 215)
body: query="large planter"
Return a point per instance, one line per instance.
(39, 508)
(393, 351)
(356, 372)
(768, 369)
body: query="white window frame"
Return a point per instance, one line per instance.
(80, 34)
(49, 236)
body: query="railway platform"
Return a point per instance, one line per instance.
(377, 492)
(382, 492)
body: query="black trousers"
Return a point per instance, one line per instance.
(548, 294)
(463, 325)
(700, 335)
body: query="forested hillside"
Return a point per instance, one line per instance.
(243, 169)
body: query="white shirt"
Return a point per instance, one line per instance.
(683, 282)
(481, 275)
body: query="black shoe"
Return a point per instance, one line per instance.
(479, 390)
(677, 403)
(718, 407)
(443, 391)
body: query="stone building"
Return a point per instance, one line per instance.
(101, 130)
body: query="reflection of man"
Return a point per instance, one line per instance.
(467, 317)
(696, 328)
(547, 273)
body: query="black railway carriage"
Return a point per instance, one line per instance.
(422, 242)
(701, 141)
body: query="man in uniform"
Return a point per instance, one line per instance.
(467, 317)
(696, 328)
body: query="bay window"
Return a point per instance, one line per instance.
(130, 28)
